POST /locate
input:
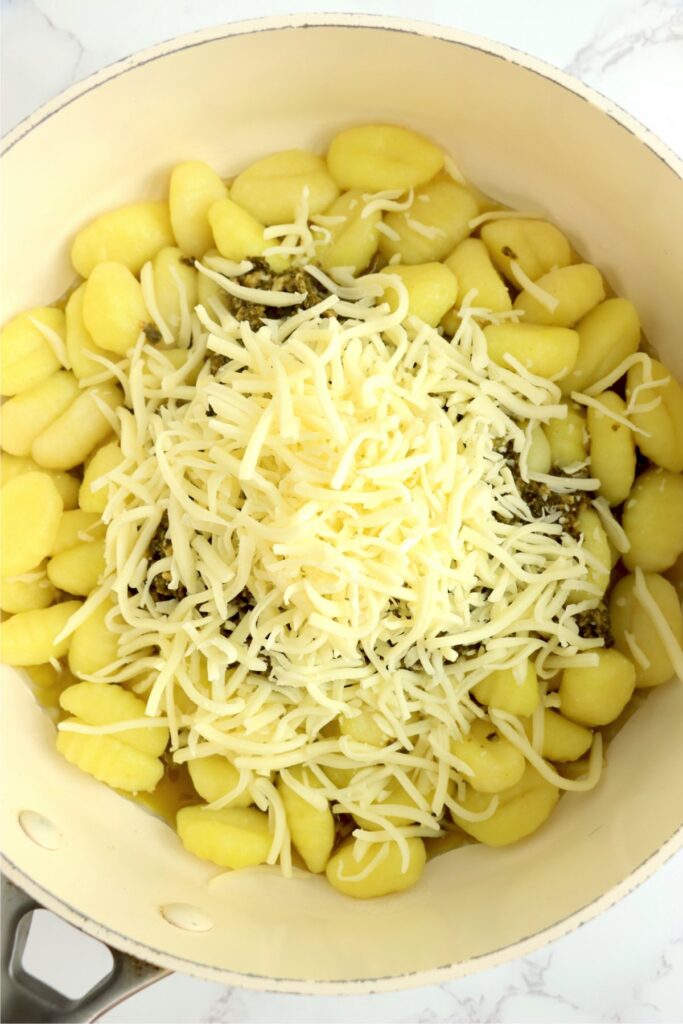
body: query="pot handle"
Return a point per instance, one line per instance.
(26, 999)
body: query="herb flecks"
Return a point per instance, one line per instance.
(160, 547)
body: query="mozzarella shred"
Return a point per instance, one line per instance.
(341, 539)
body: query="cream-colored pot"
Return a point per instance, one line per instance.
(531, 136)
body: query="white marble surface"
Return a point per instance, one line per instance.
(628, 964)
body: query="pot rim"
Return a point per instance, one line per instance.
(647, 868)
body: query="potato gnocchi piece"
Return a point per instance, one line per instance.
(79, 569)
(30, 510)
(207, 288)
(29, 638)
(311, 828)
(114, 310)
(510, 689)
(272, 189)
(70, 438)
(378, 157)
(563, 741)
(495, 763)
(437, 220)
(236, 232)
(607, 335)
(26, 357)
(106, 458)
(77, 527)
(19, 594)
(474, 272)
(404, 809)
(130, 235)
(612, 450)
(539, 457)
(653, 521)
(48, 677)
(662, 442)
(535, 245)
(193, 189)
(93, 646)
(175, 288)
(27, 414)
(363, 729)
(522, 809)
(12, 466)
(599, 559)
(106, 703)
(596, 696)
(354, 241)
(568, 438)
(634, 633)
(577, 289)
(110, 761)
(432, 290)
(378, 872)
(214, 777)
(234, 837)
(546, 351)
(79, 342)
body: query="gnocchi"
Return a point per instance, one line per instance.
(596, 696)
(653, 521)
(280, 477)
(635, 634)
(193, 190)
(378, 157)
(544, 351)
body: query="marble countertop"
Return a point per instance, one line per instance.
(628, 964)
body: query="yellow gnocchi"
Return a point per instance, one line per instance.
(26, 356)
(312, 827)
(352, 234)
(573, 291)
(26, 415)
(612, 449)
(114, 310)
(432, 290)
(234, 837)
(521, 810)
(215, 777)
(597, 695)
(272, 189)
(193, 189)
(436, 221)
(30, 510)
(33, 637)
(653, 521)
(376, 872)
(660, 436)
(635, 633)
(379, 157)
(130, 235)
(544, 351)
(535, 245)
(608, 334)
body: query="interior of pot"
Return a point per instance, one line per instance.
(530, 141)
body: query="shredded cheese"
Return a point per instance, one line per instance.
(550, 302)
(659, 622)
(483, 218)
(342, 530)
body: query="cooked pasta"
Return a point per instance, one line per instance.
(354, 473)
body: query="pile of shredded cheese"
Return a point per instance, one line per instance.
(342, 477)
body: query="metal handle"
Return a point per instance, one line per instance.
(26, 999)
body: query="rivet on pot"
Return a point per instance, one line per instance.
(187, 917)
(40, 830)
